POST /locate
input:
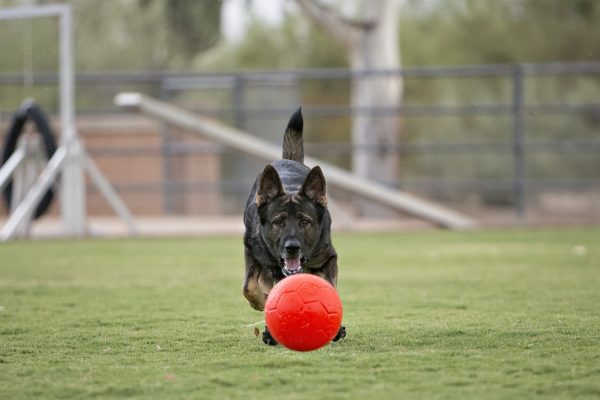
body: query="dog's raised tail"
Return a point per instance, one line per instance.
(293, 145)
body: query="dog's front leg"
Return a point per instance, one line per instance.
(330, 272)
(267, 338)
(341, 334)
(252, 289)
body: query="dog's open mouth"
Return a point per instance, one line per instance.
(291, 265)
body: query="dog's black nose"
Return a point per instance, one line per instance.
(292, 247)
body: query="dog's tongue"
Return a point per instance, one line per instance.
(292, 264)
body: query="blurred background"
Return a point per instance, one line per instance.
(490, 107)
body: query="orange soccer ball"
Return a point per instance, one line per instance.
(303, 312)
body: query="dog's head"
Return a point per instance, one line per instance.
(291, 223)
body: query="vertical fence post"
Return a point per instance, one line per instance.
(165, 149)
(239, 115)
(240, 122)
(519, 141)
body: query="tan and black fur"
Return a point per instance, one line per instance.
(288, 226)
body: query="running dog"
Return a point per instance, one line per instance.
(287, 224)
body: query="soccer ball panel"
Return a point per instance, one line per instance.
(289, 303)
(330, 300)
(309, 292)
(315, 313)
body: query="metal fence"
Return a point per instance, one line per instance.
(503, 134)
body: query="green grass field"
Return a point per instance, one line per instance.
(512, 314)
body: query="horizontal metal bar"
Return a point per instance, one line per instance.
(178, 84)
(408, 111)
(459, 147)
(565, 184)
(26, 12)
(578, 68)
(424, 184)
(564, 145)
(497, 185)
(561, 108)
(188, 77)
(405, 110)
(180, 186)
(345, 148)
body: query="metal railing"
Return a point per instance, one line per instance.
(518, 140)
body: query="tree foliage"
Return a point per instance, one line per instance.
(500, 31)
(438, 32)
(183, 34)
(193, 25)
(292, 45)
(121, 34)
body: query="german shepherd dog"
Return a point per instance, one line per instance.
(287, 224)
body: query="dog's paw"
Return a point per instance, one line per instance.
(268, 339)
(341, 334)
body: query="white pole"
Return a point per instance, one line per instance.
(110, 194)
(73, 207)
(66, 80)
(10, 166)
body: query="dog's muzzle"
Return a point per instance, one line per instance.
(292, 258)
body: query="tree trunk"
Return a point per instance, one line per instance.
(372, 45)
(375, 134)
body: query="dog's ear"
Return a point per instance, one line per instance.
(269, 186)
(314, 187)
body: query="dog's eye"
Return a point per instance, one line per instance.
(279, 222)
(304, 222)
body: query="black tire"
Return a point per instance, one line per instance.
(28, 110)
